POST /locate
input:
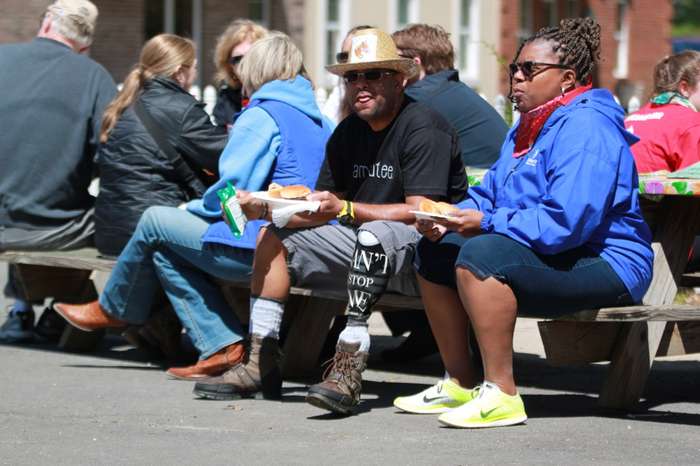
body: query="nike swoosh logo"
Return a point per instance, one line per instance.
(485, 414)
(436, 398)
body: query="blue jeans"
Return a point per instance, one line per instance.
(544, 285)
(166, 251)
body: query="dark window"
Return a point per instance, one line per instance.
(154, 23)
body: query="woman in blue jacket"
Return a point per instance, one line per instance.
(554, 228)
(280, 137)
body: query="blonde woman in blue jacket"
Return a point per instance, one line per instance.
(280, 137)
(554, 228)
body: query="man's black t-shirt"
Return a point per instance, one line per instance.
(418, 154)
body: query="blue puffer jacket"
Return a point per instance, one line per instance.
(576, 186)
(281, 137)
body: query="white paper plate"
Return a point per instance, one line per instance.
(276, 202)
(430, 216)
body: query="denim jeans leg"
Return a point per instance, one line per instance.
(198, 302)
(132, 287)
(166, 249)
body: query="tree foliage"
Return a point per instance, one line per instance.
(686, 18)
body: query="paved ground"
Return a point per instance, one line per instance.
(116, 407)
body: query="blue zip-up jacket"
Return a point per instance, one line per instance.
(576, 186)
(271, 141)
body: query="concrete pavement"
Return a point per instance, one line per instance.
(116, 407)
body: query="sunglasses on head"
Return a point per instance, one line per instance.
(531, 68)
(371, 75)
(342, 57)
(235, 60)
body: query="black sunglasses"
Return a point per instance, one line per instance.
(235, 60)
(532, 68)
(371, 75)
(342, 57)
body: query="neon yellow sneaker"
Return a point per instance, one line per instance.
(440, 398)
(490, 408)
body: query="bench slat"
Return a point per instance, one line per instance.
(83, 259)
(387, 301)
(664, 313)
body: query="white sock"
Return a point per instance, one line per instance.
(356, 332)
(265, 317)
(20, 306)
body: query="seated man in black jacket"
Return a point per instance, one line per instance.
(480, 129)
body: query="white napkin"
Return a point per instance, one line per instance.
(281, 215)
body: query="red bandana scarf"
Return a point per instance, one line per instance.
(531, 123)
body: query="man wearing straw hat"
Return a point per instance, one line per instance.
(51, 107)
(380, 163)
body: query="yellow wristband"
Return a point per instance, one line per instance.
(347, 213)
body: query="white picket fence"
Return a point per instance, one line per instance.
(499, 102)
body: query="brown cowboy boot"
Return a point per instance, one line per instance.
(259, 377)
(214, 365)
(340, 390)
(88, 317)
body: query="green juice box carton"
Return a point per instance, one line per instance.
(232, 209)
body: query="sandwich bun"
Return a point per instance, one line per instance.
(274, 190)
(447, 209)
(295, 191)
(432, 207)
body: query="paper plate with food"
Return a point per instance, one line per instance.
(431, 210)
(278, 196)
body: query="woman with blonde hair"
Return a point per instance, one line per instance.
(280, 137)
(157, 142)
(231, 46)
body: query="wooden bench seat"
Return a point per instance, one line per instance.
(309, 315)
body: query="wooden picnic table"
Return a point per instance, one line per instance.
(631, 337)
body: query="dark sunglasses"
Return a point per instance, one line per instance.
(342, 57)
(235, 60)
(371, 75)
(531, 68)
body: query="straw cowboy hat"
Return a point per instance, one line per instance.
(374, 49)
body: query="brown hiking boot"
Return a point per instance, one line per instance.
(259, 377)
(342, 383)
(214, 365)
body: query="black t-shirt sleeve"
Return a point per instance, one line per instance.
(425, 161)
(325, 178)
(326, 181)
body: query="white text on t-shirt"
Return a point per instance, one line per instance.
(377, 170)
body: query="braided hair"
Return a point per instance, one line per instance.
(576, 42)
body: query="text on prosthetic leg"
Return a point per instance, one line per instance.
(368, 277)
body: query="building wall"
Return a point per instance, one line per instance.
(119, 35)
(649, 40)
(381, 13)
(120, 29)
(20, 19)
(508, 38)
(489, 65)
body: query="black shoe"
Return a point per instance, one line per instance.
(419, 344)
(18, 327)
(50, 326)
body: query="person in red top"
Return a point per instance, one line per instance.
(669, 125)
